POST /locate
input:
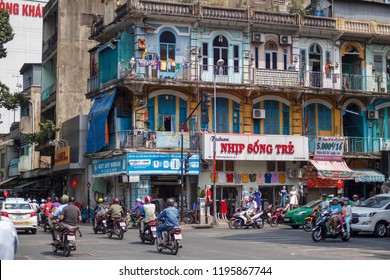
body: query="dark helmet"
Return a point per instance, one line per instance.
(64, 199)
(116, 200)
(170, 202)
(71, 199)
(346, 199)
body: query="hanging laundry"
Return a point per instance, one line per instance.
(163, 65)
(237, 178)
(282, 178)
(229, 177)
(245, 178)
(267, 177)
(221, 177)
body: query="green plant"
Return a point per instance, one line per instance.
(46, 133)
(297, 7)
(161, 128)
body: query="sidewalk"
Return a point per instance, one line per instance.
(221, 223)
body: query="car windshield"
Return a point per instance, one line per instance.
(23, 206)
(375, 202)
(312, 204)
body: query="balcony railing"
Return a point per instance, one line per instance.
(49, 46)
(358, 144)
(277, 77)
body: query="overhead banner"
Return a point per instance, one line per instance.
(255, 147)
(329, 148)
(315, 183)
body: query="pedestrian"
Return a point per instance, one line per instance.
(9, 241)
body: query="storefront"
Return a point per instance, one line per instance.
(249, 163)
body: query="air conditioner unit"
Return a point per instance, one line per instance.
(295, 173)
(372, 115)
(258, 114)
(258, 38)
(285, 40)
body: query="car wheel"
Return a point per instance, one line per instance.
(380, 229)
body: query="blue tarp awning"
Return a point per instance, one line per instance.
(368, 175)
(97, 119)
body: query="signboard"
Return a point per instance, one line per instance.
(314, 183)
(161, 164)
(255, 147)
(62, 156)
(329, 148)
(108, 167)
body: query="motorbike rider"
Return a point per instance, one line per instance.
(356, 200)
(115, 212)
(55, 216)
(101, 210)
(347, 211)
(171, 219)
(335, 210)
(148, 211)
(324, 202)
(252, 207)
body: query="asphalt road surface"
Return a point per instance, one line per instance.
(218, 243)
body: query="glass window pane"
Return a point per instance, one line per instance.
(163, 52)
(171, 52)
(229, 165)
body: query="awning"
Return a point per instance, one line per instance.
(368, 175)
(8, 180)
(97, 119)
(333, 169)
(20, 187)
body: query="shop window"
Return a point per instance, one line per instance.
(281, 166)
(271, 166)
(229, 165)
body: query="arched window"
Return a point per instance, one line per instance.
(221, 51)
(315, 66)
(271, 55)
(167, 51)
(272, 117)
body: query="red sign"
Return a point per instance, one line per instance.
(315, 183)
(75, 182)
(27, 10)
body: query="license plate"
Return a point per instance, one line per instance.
(22, 223)
(71, 237)
(287, 219)
(154, 234)
(122, 224)
(153, 228)
(178, 236)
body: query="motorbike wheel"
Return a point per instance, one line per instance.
(120, 234)
(231, 223)
(273, 222)
(175, 247)
(260, 224)
(316, 235)
(66, 249)
(109, 233)
(307, 225)
(238, 224)
(153, 241)
(95, 230)
(346, 238)
(159, 248)
(188, 219)
(54, 248)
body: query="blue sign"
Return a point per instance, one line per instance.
(109, 167)
(161, 164)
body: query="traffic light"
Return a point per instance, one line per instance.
(206, 98)
(187, 163)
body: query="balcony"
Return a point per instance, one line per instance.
(358, 145)
(277, 78)
(93, 83)
(49, 46)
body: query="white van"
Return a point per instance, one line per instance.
(373, 215)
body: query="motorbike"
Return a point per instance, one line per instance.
(310, 220)
(321, 230)
(46, 225)
(149, 233)
(267, 214)
(115, 226)
(189, 216)
(241, 220)
(278, 216)
(133, 219)
(171, 237)
(238, 211)
(101, 225)
(67, 241)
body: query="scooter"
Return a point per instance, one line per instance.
(171, 237)
(101, 225)
(115, 226)
(242, 221)
(46, 225)
(310, 220)
(321, 231)
(149, 234)
(267, 214)
(67, 241)
(238, 212)
(278, 216)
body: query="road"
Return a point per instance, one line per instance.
(218, 243)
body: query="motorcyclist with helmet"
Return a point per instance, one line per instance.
(347, 212)
(100, 211)
(252, 207)
(170, 216)
(356, 200)
(55, 218)
(324, 203)
(115, 212)
(148, 211)
(335, 210)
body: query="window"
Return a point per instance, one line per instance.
(257, 57)
(225, 165)
(271, 125)
(167, 51)
(221, 50)
(271, 166)
(205, 56)
(236, 61)
(328, 61)
(285, 59)
(271, 55)
(2, 160)
(324, 118)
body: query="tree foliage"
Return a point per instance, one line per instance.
(46, 133)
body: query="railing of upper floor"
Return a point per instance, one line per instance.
(49, 46)
(248, 76)
(362, 145)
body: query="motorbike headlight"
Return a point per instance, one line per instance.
(300, 213)
(367, 214)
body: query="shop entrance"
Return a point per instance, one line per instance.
(232, 196)
(270, 194)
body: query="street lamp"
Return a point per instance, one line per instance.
(220, 63)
